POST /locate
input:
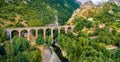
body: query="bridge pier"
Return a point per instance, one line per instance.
(52, 34)
(72, 29)
(28, 35)
(44, 34)
(10, 35)
(36, 33)
(58, 30)
(66, 29)
(19, 33)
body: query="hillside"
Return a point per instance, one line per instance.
(23, 13)
(104, 13)
(97, 36)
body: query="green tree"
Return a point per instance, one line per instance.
(35, 56)
(28, 56)
(49, 40)
(40, 40)
(3, 36)
(20, 44)
(118, 41)
(21, 57)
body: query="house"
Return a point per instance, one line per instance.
(101, 26)
(93, 37)
(110, 29)
(111, 47)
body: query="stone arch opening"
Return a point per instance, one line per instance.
(33, 33)
(48, 32)
(62, 30)
(55, 33)
(40, 32)
(14, 33)
(8, 34)
(69, 29)
(24, 33)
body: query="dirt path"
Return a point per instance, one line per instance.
(40, 47)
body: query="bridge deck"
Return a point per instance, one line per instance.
(37, 28)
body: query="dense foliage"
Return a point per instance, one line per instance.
(18, 13)
(19, 51)
(97, 40)
(64, 8)
(83, 48)
(40, 40)
(3, 37)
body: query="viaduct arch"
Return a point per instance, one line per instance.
(28, 29)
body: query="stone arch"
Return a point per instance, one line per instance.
(55, 33)
(69, 29)
(8, 34)
(48, 31)
(24, 33)
(14, 33)
(62, 30)
(33, 32)
(40, 32)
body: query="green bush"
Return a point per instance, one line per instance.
(40, 40)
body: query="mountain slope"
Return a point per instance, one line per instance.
(21, 13)
(105, 13)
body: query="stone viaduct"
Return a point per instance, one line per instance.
(28, 29)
